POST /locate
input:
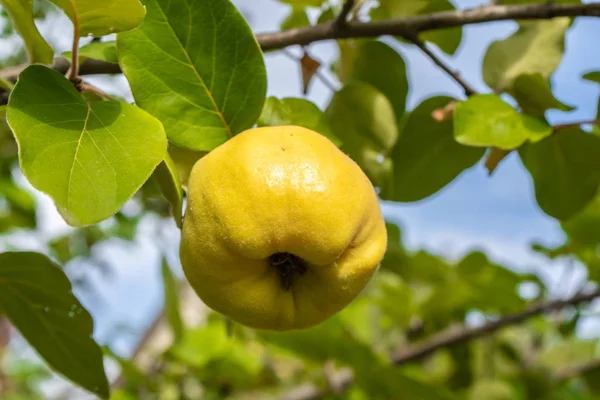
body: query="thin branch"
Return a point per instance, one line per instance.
(453, 337)
(421, 23)
(453, 74)
(86, 87)
(398, 27)
(341, 22)
(560, 127)
(460, 335)
(577, 370)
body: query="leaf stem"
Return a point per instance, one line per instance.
(73, 72)
(86, 87)
(469, 91)
(560, 127)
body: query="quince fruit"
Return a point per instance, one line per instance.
(282, 230)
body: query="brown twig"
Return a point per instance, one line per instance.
(86, 87)
(577, 370)
(396, 27)
(453, 337)
(560, 127)
(469, 91)
(463, 334)
(341, 22)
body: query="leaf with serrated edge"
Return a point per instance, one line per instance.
(426, 157)
(21, 15)
(99, 18)
(364, 120)
(537, 47)
(485, 120)
(36, 296)
(168, 180)
(294, 111)
(89, 157)
(197, 67)
(565, 168)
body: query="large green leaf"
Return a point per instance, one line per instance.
(446, 39)
(537, 47)
(294, 111)
(380, 65)
(426, 157)
(21, 14)
(104, 51)
(99, 18)
(36, 296)
(364, 120)
(197, 67)
(485, 120)
(89, 157)
(534, 95)
(565, 168)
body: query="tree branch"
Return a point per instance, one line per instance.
(404, 27)
(421, 23)
(341, 22)
(452, 337)
(453, 74)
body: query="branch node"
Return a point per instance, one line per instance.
(341, 22)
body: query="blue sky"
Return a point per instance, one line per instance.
(498, 213)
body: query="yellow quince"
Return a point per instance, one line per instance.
(282, 230)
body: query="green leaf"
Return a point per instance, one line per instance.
(381, 66)
(36, 296)
(171, 292)
(537, 47)
(447, 40)
(167, 177)
(565, 168)
(426, 157)
(104, 51)
(363, 118)
(294, 111)
(332, 341)
(584, 227)
(534, 95)
(297, 18)
(19, 211)
(197, 67)
(90, 158)
(485, 120)
(99, 18)
(326, 15)
(21, 15)
(593, 76)
(491, 390)
(184, 160)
